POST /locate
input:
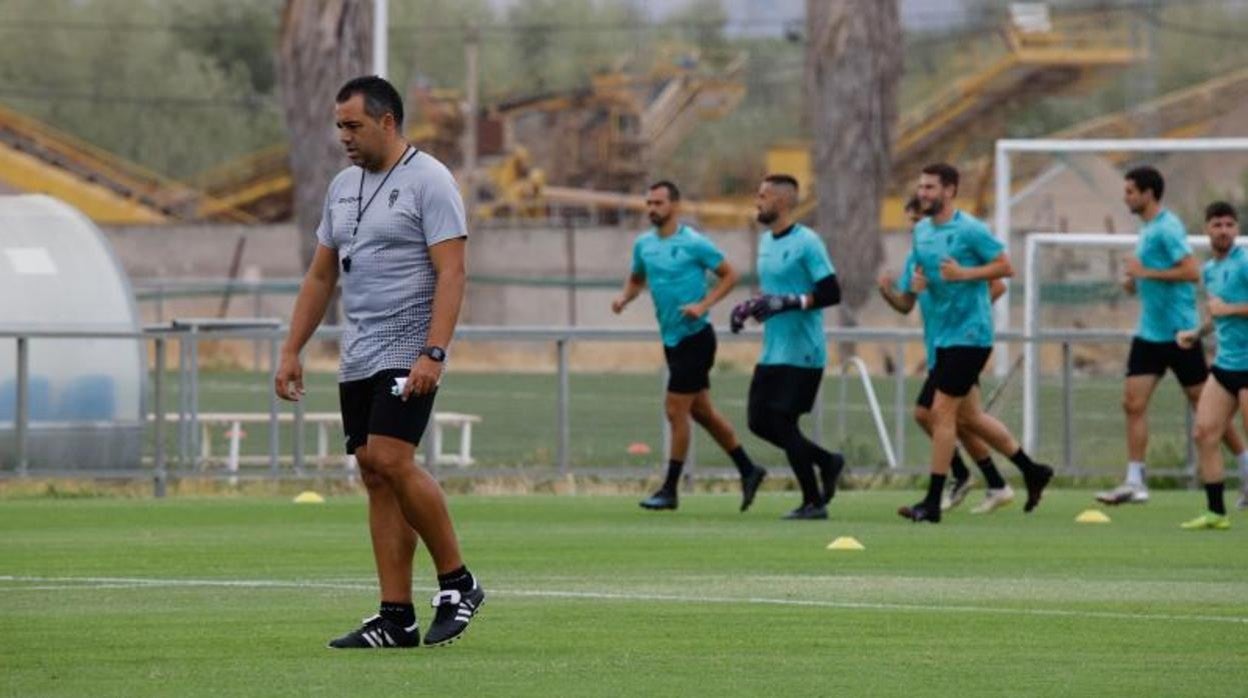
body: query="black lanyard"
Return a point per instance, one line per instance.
(361, 207)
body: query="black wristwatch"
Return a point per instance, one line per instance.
(436, 353)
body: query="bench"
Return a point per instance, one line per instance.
(234, 421)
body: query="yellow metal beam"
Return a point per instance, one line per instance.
(26, 173)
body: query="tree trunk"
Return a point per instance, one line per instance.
(853, 67)
(323, 43)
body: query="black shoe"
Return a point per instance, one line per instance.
(830, 476)
(659, 500)
(454, 611)
(749, 486)
(1036, 480)
(378, 633)
(811, 512)
(919, 512)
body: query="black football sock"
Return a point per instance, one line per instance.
(1213, 493)
(935, 486)
(460, 580)
(1023, 461)
(745, 466)
(401, 613)
(992, 476)
(957, 468)
(674, 468)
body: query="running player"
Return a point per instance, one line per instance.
(1226, 390)
(798, 281)
(999, 492)
(957, 257)
(673, 259)
(1163, 273)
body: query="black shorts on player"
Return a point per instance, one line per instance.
(957, 369)
(784, 389)
(1153, 358)
(369, 406)
(1231, 381)
(689, 363)
(779, 396)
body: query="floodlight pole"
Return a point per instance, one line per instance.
(381, 44)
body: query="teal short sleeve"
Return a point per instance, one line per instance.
(707, 254)
(815, 259)
(984, 244)
(639, 267)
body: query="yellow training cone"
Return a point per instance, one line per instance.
(846, 543)
(1092, 516)
(309, 497)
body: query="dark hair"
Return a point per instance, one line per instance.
(912, 204)
(947, 173)
(379, 97)
(673, 193)
(1148, 178)
(783, 179)
(1220, 209)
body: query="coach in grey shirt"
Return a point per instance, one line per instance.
(393, 231)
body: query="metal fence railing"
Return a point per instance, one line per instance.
(564, 421)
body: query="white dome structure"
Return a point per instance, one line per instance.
(86, 396)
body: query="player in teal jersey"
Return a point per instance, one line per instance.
(798, 281)
(673, 260)
(1226, 282)
(958, 257)
(1163, 273)
(999, 493)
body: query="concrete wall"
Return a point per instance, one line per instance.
(529, 253)
(526, 252)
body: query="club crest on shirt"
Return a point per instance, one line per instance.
(394, 196)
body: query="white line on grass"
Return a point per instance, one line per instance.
(93, 583)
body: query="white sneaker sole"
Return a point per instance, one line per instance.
(990, 505)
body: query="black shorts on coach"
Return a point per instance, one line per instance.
(957, 369)
(1153, 358)
(784, 389)
(689, 363)
(369, 407)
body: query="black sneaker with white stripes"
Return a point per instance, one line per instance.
(453, 611)
(378, 633)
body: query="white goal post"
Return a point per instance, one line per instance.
(1031, 306)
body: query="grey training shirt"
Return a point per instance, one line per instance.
(388, 294)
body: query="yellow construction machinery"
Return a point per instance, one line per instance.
(37, 158)
(606, 137)
(260, 183)
(1039, 56)
(583, 148)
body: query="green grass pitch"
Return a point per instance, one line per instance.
(592, 596)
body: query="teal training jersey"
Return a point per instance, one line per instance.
(1227, 279)
(959, 312)
(792, 263)
(1165, 306)
(926, 310)
(675, 268)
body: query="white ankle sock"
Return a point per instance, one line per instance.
(1135, 473)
